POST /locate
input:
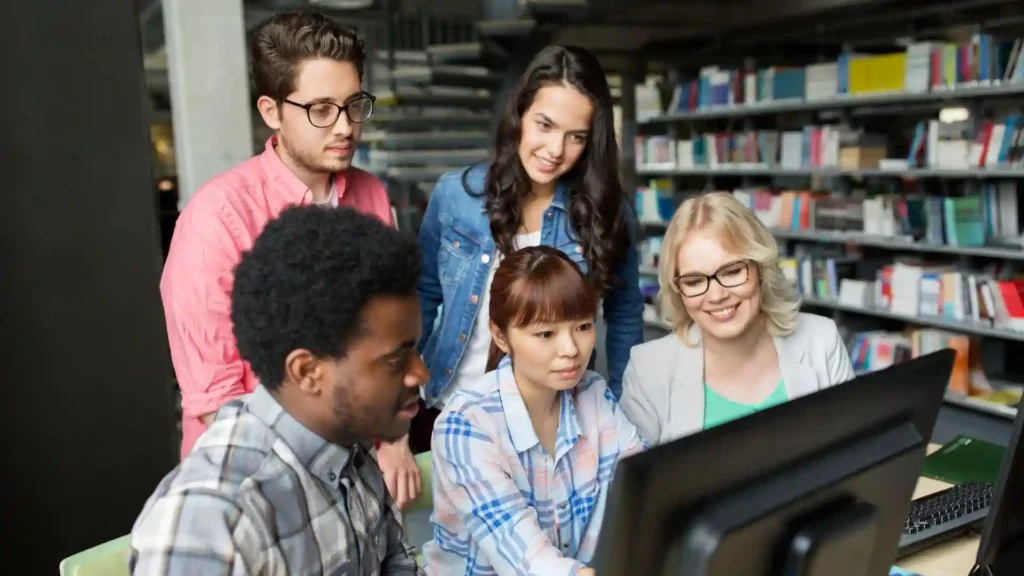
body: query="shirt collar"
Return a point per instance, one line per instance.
(323, 459)
(517, 418)
(561, 199)
(478, 175)
(295, 191)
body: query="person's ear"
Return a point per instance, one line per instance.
(305, 370)
(270, 112)
(499, 338)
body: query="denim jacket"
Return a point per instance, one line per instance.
(458, 249)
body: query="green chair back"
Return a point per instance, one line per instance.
(416, 516)
(425, 501)
(107, 559)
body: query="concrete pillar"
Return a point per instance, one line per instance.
(209, 88)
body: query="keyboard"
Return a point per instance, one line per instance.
(945, 515)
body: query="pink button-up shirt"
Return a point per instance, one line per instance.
(222, 220)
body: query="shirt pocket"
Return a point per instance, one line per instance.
(455, 256)
(582, 501)
(574, 250)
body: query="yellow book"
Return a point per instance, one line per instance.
(859, 75)
(949, 62)
(889, 72)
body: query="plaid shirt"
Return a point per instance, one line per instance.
(261, 494)
(502, 505)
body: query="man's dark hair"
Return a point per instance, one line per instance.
(284, 41)
(307, 279)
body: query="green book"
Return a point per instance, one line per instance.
(964, 460)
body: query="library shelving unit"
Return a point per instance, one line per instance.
(890, 184)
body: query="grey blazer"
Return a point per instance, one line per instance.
(663, 386)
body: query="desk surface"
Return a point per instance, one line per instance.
(951, 558)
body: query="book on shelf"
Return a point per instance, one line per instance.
(648, 99)
(656, 202)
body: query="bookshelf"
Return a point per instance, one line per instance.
(975, 173)
(907, 160)
(888, 102)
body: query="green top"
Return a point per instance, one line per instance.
(719, 410)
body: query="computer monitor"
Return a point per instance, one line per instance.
(819, 485)
(1002, 538)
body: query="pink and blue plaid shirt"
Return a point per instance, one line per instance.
(502, 504)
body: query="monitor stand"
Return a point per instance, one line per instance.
(1009, 563)
(838, 543)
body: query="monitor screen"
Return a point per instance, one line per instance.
(819, 485)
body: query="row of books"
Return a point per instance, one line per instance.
(986, 144)
(880, 349)
(815, 146)
(987, 215)
(920, 68)
(912, 288)
(968, 144)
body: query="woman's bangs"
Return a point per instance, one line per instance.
(555, 293)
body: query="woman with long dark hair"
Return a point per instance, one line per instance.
(538, 422)
(553, 181)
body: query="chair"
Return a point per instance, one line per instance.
(107, 559)
(416, 516)
(425, 501)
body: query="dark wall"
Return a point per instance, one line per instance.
(85, 393)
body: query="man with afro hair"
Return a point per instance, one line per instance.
(324, 309)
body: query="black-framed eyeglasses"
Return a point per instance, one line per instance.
(326, 114)
(731, 275)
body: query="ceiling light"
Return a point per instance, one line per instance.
(956, 114)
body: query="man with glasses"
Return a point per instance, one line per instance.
(308, 77)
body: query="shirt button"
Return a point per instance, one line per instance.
(332, 476)
(447, 372)
(473, 299)
(563, 505)
(548, 215)
(579, 249)
(462, 337)
(455, 244)
(485, 258)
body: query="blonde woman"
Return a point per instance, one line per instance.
(739, 343)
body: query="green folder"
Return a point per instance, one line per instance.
(964, 460)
